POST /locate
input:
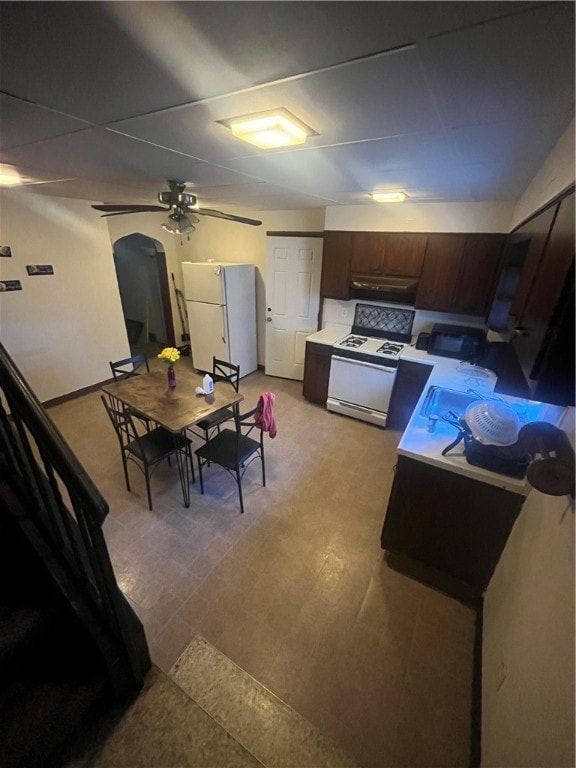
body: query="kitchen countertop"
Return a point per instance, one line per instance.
(327, 336)
(417, 443)
(498, 357)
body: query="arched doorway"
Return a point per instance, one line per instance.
(142, 275)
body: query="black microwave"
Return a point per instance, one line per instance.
(456, 341)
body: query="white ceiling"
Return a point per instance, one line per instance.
(448, 101)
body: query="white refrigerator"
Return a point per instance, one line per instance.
(221, 306)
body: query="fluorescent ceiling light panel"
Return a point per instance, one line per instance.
(269, 130)
(9, 176)
(389, 197)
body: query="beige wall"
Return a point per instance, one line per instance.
(555, 175)
(528, 659)
(61, 329)
(228, 241)
(421, 217)
(528, 643)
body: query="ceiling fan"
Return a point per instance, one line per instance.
(182, 207)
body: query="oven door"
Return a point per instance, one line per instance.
(360, 389)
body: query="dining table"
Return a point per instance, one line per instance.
(176, 409)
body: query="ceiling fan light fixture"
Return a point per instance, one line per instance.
(270, 130)
(389, 197)
(178, 224)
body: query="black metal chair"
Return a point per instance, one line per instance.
(221, 371)
(149, 449)
(234, 449)
(125, 369)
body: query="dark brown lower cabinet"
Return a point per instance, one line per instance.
(409, 384)
(445, 529)
(316, 372)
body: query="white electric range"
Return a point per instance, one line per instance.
(364, 363)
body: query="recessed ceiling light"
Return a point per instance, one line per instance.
(9, 176)
(269, 130)
(389, 197)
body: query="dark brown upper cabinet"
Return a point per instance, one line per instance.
(545, 274)
(388, 253)
(553, 268)
(368, 253)
(440, 272)
(535, 232)
(479, 268)
(336, 258)
(405, 254)
(459, 273)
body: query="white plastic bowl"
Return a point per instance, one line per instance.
(492, 422)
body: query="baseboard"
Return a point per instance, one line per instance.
(476, 709)
(77, 393)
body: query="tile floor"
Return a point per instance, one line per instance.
(296, 591)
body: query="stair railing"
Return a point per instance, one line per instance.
(61, 512)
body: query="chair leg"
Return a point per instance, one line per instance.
(182, 462)
(200, 475)
(239, 484)
(263, 466)
(206, 438)
(191, 460)
(125, 467)
(147, 476)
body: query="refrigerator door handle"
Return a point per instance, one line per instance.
(223, 324)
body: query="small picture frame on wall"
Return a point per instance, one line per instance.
(40, 269)
(10, 285)
(5, 251)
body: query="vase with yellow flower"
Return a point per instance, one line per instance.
(170, 355)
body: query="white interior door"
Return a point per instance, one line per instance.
(292, 301)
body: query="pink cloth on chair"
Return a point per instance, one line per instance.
(264, 415)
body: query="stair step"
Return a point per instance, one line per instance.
(265, 725)
(164, 728)
(21, 631)
(41, 717)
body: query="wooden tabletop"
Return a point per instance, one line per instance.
(148, 394)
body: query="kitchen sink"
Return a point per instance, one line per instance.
(439, 401)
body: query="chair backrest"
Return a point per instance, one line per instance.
(123, 369)
(261, 417)
(264, 413)
(245, 423)
(225, 371)
(121, 421)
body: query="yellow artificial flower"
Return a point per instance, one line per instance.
(169, 355)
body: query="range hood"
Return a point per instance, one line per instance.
(401, 290)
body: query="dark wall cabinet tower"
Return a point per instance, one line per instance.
(544, 305)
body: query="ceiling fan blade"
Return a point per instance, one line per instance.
(127, 213)
(228, 216)
(128, 208)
